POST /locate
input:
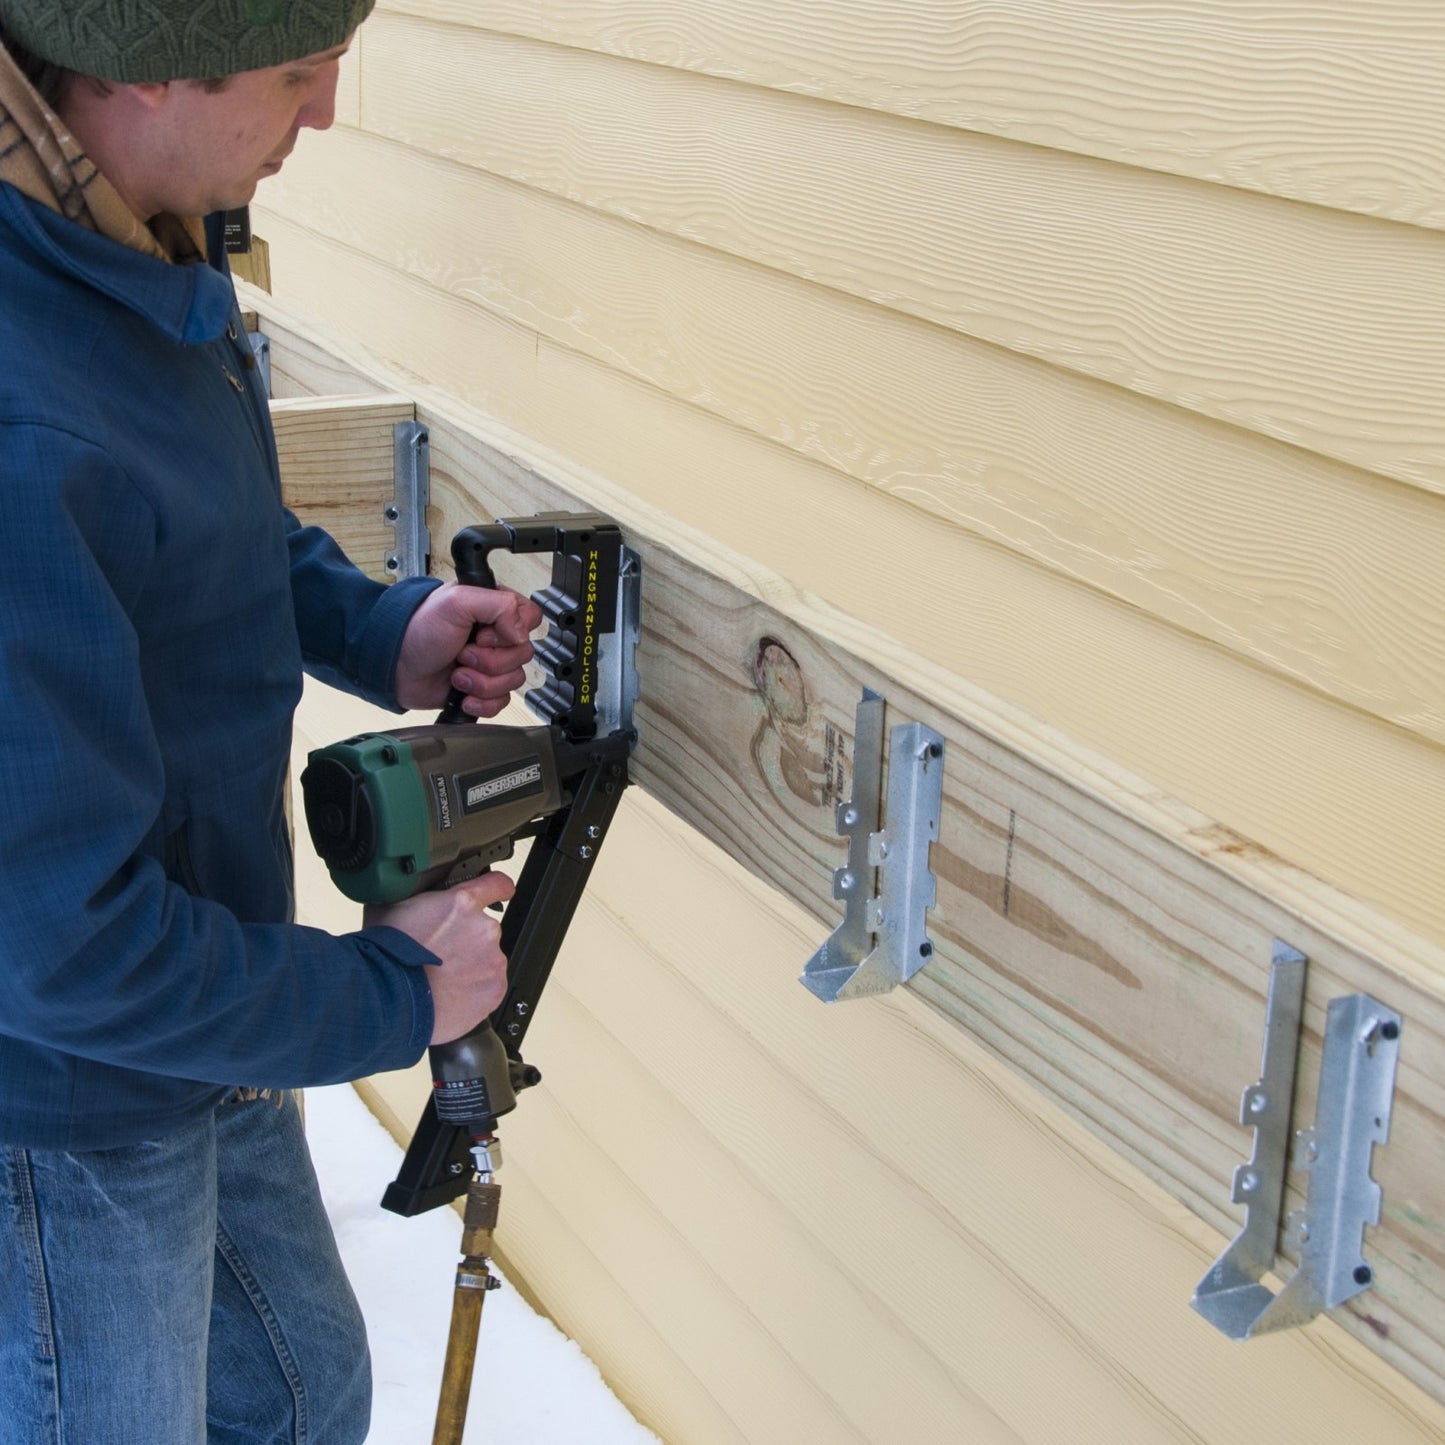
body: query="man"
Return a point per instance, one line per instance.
(166, 1271)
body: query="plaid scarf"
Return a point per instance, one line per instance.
(42, 160)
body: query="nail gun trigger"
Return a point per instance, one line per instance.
(478, 863)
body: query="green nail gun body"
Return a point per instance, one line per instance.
(394, 813)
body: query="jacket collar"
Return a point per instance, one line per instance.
(190, 304)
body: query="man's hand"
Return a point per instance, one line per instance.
(455, 925)
(438, 651)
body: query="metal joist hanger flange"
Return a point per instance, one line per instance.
(1231, 1296)
(1356, 1089)
(405, 514)
(883, 939)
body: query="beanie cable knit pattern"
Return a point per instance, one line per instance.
(156, 40)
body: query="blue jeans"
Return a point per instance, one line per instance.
(181, 1291)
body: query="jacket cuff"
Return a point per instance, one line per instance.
(392, 946)
(379, 646)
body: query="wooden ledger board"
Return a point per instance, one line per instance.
(1110, 944)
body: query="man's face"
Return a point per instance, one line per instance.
(216, 146)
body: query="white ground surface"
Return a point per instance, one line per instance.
(532, 1386)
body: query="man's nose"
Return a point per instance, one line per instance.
(319, 111)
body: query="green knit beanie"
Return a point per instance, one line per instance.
(135, 40)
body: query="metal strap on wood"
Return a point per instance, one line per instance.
(883, 939)
(1357, 1082)
(405, 514)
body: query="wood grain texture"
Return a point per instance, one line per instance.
(1324, 786)
(941, 1223)
(253, 266)
(338, 468)
(656, 1195)
(1107, 943)
(1118, 976)
(1160, 460)
(304, 369)
(1325, 574)
(1317, 328)
(1335, 103)
(929, 1185)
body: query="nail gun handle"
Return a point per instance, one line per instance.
(471, 1079)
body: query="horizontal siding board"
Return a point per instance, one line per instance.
(1231, 945)
(1335, 103)
(348, 85)
(890, 1077)
(1316, 328)
(902, 1361)
(1325, 574)
(679, 1054)
(1360, 805)
(586, 1278)
(546, 1246)
(543, 1241)
(1123, 987)
(1162, 461)
(891, 1335)
(1140, 943)
(673, 1261)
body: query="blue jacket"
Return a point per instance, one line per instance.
(157, 607)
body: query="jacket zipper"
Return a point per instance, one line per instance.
(258, 427)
